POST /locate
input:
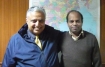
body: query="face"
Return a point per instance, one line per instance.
(74, 22)
(36, 22)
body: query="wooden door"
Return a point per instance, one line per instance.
(12, 17)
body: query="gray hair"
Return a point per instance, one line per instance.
(35, 9)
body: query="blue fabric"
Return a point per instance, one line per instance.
(23, 52)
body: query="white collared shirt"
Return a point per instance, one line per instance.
(75, 38)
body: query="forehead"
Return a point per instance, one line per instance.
(74, 15)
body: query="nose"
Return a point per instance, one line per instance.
(37, 23)
(74, 23)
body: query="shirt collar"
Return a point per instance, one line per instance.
(76, 38)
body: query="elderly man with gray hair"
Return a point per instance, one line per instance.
(24, 51)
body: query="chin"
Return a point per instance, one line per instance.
(36, 33)
(74, 31)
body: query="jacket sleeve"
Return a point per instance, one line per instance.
(96, 57)
(8, 60)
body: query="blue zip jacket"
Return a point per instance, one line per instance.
(23, 52)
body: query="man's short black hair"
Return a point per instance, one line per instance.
(76, 12)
